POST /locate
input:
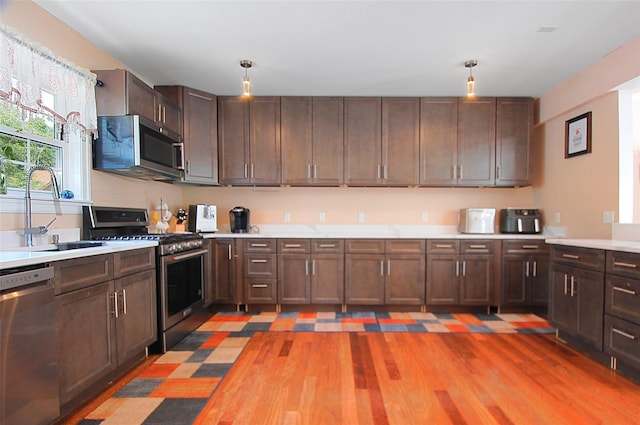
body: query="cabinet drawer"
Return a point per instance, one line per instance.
(623, 263)
(260, 245)
(364, 246)
(524, 247)
(294, 245)
(582, 257)
(329, 246)
(622, 339)
(443, 246)
(260, 265)
(130, 262)
(260, 291)
(70, 275)
(405, 246)
(477, 246)
(623, 298)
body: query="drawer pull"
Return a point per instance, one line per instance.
(444, 245)
(258, 245)
(571, 256)
(478, 246)
(530, 247)
(292, 245)
(327, 245)
(621, 264)
(258, 261)
(623, 333)
(624, 290)
(259, 286)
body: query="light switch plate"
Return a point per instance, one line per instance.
(425, 217)
(360, 217)
(556, 217)
(287, 217)
(322, 217)
(607, 217)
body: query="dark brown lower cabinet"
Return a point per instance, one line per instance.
(525, 273)
(223, 282)
(102, 323)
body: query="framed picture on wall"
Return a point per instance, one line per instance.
(577, 135)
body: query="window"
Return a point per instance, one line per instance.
(629, 151)
(47, 116)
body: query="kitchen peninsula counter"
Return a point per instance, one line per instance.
(605, 244)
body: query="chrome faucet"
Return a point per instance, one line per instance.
(40, 230)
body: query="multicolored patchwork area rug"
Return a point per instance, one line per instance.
(174, 390)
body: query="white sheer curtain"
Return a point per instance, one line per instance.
(27, 68)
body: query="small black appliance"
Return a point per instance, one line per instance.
(239, 220)
(520, 220)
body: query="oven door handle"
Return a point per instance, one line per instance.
(187, 255)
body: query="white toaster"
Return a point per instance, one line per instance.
(477, 220)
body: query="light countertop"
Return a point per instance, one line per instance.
(20, 258)
(606, 244)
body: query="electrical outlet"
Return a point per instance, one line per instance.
(360, 217)
(287, 217)
(322, 217)
(556, 217)
(607, 217)
(425, 217)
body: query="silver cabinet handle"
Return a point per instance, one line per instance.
(315, 171)
(444, 245)
(529, 246)
(292, 245)
(378, 171)
(124, 301)
(535, 269)
(327, 245)
(115, 304)
(623, 333)
(457, 268)
(258, 245)
(388, 267)
(624, 290)
(460, 172)
(571, 256)
(565, 284)
(308, 171)
(453, 171)
(526, 269)
(246, 170)
(306, 267)
(385, 173)
(259, 286)
(573, 285)
(252, 173)
(230, 255)
(258, 261)
(627, 265)
(464, 268)
(381, 268)
(478, 246)
(159, 112)
(313, 267)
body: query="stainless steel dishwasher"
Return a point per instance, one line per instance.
(28, 349)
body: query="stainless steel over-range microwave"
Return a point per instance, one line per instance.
(134, 146)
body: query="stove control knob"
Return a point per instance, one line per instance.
(171, 249)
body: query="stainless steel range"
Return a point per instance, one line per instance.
(181, 265)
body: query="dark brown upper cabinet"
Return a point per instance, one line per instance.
(438, 141)
(476, 142)
(249, 140)
(381, 141)
(312, 140)
(514, 126)
(200, 134)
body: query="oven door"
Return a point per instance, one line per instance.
(181, 286)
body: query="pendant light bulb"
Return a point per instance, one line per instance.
(246, 83)
(471, 83)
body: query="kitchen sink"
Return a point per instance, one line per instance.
(66, 246)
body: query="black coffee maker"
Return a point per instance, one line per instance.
(239, 220)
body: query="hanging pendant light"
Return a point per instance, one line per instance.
(246, 83)
(471, 83)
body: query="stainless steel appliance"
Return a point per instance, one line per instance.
(239, 220)
(28, 347)
(134, 146)
(182, 262)
(520, 220)
(202, 218)
(477, 220)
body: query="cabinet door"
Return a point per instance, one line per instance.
(223, 283)
(168, 115)
(562, 311)
(264, 136)
(233, 139)
(400, 140)
(362, 141)
(294, 279)
(405, 280)
(589, 295)
(476, 141)
(200, 114)
(476, 277)
(364, 279)
(86, 338)
(442, 280)
(514, 280)
(297, 149)
(438, 141)
(514, 126)
(141, 99)
(538, 291)
(327, 279)
(328, 141)
(136, 324)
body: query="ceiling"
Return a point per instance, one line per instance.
(354, 48)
